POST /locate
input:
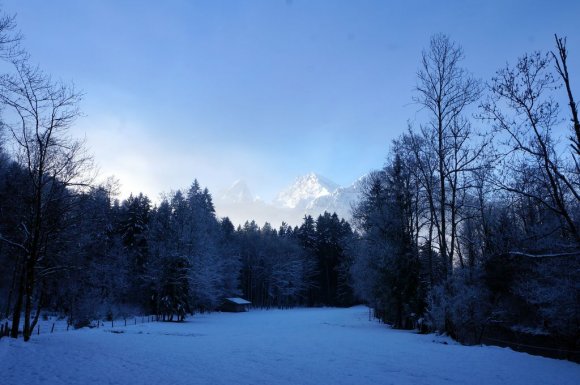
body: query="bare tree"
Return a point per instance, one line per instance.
(421, 163)
(9, 38)
(524, 111)
(38, 115)
(9, 49)
(445, 90)
(562, 68)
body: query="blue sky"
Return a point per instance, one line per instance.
(263, 91)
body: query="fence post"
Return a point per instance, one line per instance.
(125, 321)
(52, 330)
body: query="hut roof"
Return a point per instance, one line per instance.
(238, 301)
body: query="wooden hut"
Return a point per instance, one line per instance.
(235, 305)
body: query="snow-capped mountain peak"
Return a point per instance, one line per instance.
(339, 201)
(305, 189)
(310, 194)
(238, 193)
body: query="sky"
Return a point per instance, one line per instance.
(263, 91)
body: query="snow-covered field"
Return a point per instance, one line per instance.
(301, 346)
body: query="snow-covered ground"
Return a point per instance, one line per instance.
(301, 346)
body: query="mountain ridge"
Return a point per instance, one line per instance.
(304, 189)
(309, 194)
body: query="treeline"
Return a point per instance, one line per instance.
(68, 246)
(103, 259)
(472, 225)
(470, 228)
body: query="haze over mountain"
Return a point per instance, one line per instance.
(311, 194)
(304, 190)
(238, 193)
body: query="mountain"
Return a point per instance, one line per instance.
(304, 190)
(238, 193)
(311, 194)
(340, 201)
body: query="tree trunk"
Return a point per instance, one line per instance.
(442, 200)
(27, 332)
(562, 67)
(12, 286)
(37, 314)
(18, 307)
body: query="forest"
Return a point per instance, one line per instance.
(470, 228)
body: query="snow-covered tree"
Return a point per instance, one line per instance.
(386, 269)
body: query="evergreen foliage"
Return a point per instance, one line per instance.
(461, 232)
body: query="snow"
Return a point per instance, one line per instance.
(310, 194)
(300, 346)
(237, 193)
(340, 201)
(239, 301)
(305, 189)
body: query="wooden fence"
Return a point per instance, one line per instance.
(53, 325)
